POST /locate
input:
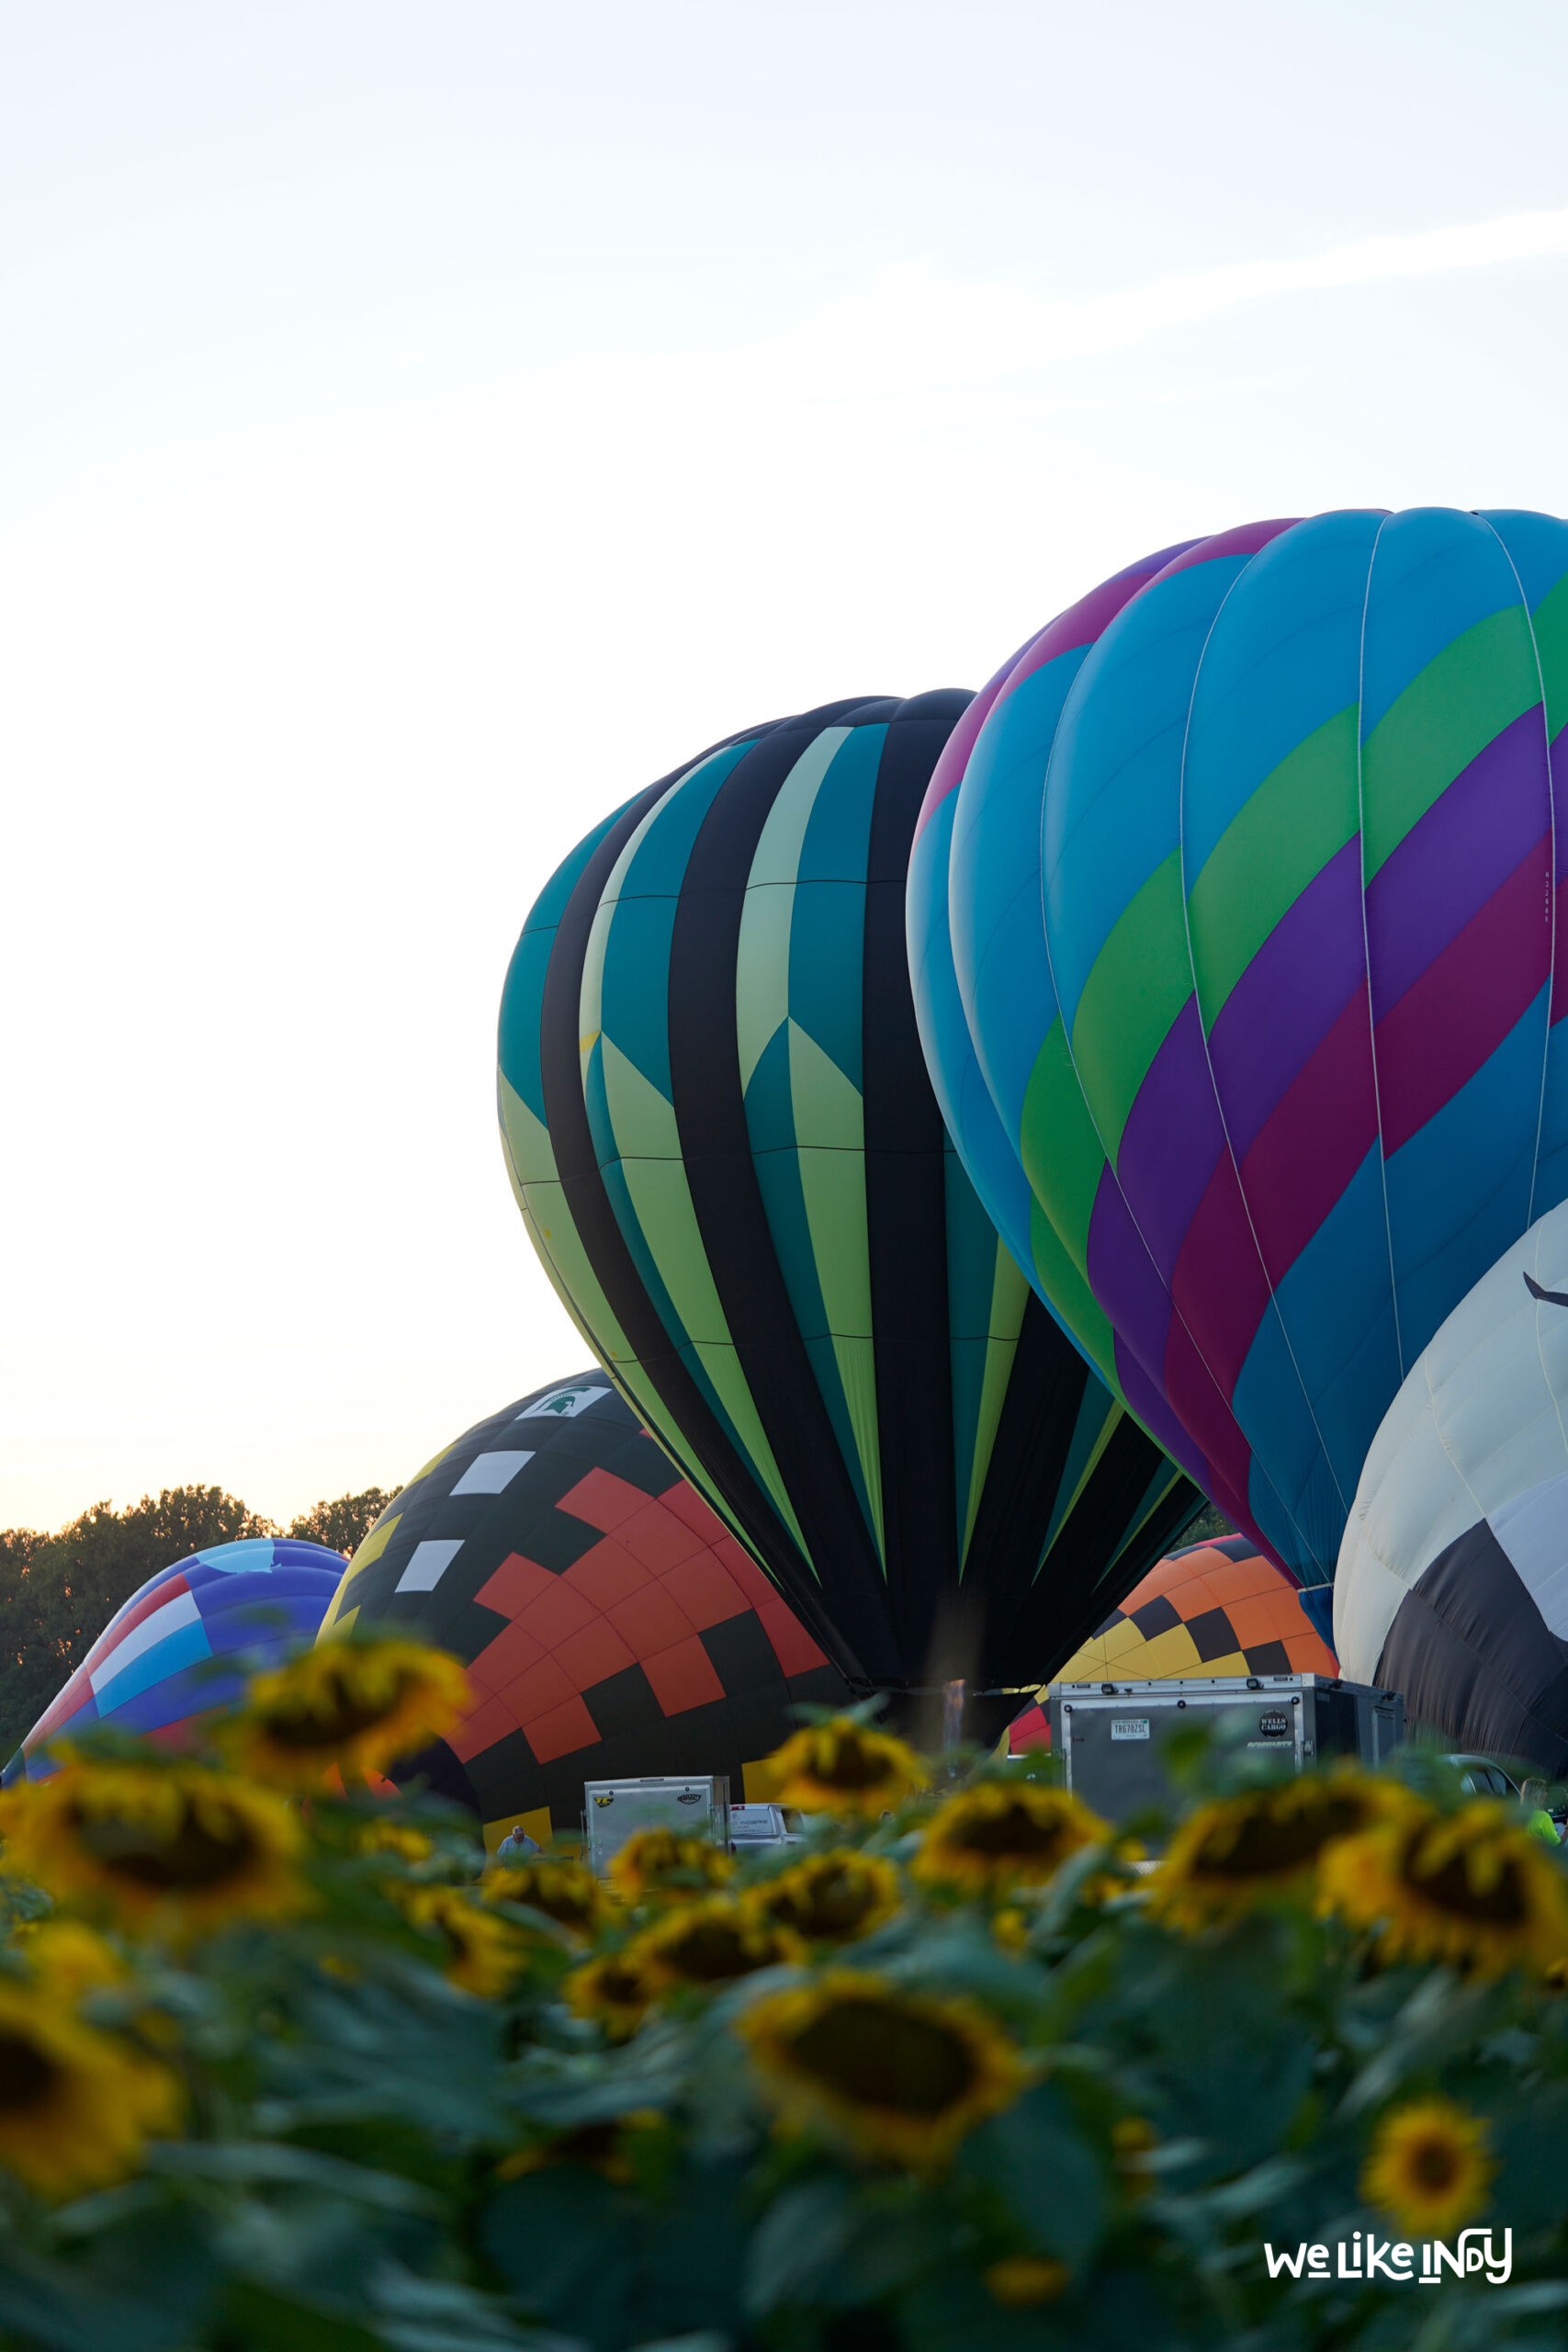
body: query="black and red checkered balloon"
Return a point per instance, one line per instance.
(610, 1624)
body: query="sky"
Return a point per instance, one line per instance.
(422, 426)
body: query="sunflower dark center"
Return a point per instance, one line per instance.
(622, 1985)
(849, 1765)
(589, 2143)
(831, 1903)
(27, 2076)
(1501, 1905)
(1015, 1833)
(1266, 1843)
(335, 1715)
(885, 2056)
(1435, 2163)
(202, 1850)
(571, 1910)
(712, 1950)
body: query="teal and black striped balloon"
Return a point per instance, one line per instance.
(726, 1147)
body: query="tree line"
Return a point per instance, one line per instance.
(58, 1591)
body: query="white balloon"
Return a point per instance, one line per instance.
(1479, 1423)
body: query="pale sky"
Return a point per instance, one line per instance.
(422, 425)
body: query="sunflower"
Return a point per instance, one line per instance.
(614, 1990)
(565, 1892)
(67, 1959)
(704, 1944)
(484, 1955)
(173, 1851)
(902, 2076)
(75, 2106)
(395, 1837)
(663, 1863)
(1020, 2280)
(841, 1767)
(615, 2149)
(1009, 1926)
(1004, 1833)
(353, 1704)
(831, 1898)
(1473, 1889)
(1229, 1855)
(1132, 2137)
(1430, 2167)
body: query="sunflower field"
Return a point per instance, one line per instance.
(287, 2066)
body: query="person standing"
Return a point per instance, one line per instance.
(1539, 1821)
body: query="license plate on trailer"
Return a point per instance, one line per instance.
(1129, 1726)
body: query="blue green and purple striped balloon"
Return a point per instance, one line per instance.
(1234, 929)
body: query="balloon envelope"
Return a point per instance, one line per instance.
(151, 1669)
(728, 1155)
(1273, 1027)
(1452, 1583)
(1214, 1607)
(611, 1625)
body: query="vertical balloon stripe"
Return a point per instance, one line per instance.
(1094, 1430)
(998, 945)
(1536, 549)
(1456, 755)
(632, 1119)
(518, 1042)
(829, 1121)
(905, 1165)
(826, 960)
(1549, 624)
(1009, 1304)
(797, 985)
(967, 1111)
(779, 1178)
(999, 948)
(530, 1163)
(1137, 1044)
(660, 1379)
(1117, 766)
(1280, 974)
(1096, 1556)
(762, 958)
(1113, 790)
(647, 1188)
(1271, 678)
(725, 1184)
(986, 1298)
(1436, 574)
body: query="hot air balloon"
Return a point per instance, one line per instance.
(611, 1625)
(1452, 1581)
(1273, 1028)
(726, 1150)
(1213, 1607)
(151, 1669)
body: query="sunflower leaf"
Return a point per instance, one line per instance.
(800, 2239)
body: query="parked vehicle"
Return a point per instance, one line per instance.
(754, 1826)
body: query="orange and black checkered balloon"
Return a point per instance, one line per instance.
(610, 1624)
(1217, 1608)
